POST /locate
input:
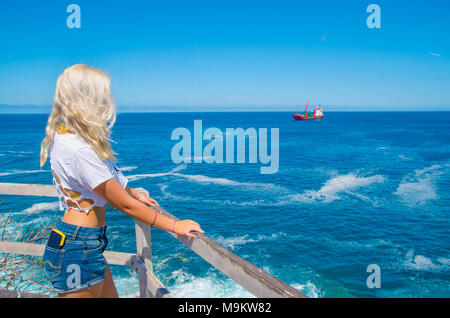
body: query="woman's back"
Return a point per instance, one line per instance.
(77, 170)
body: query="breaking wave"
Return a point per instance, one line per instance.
(420, 187)
(232, 243)
(212, 286)
(331, 188)
(155, 175)
(422, 263)
(328, 192)
(203, 179)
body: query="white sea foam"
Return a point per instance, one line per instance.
(44, 206)
(197, 158)
(186, 285)
(444, 261)
(345, 183)
(128, 168)
(227, 182)
(403, 157)
(362, 245)
(359, 196)
(232, 243)
(331, 188)
(309, 289)
(166, 194)
(422, 263)
(260, 202)
(182, 198)
(179, 168)
(211, 285)
(417, 192)
(20, 152)
(205, 179)
(420, 187)
(227, 202)
(21, 172)
(433, 168)
(127, 286)
(327, 193)
(29, 218)
(155, 175)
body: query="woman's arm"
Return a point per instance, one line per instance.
(141, 197)
(123, 200)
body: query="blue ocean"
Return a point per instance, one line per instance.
(352, 190)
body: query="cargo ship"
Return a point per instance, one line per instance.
(318, 114)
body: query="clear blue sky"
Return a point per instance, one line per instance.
(233, 53)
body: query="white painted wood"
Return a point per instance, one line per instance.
(144, 253)
(114, 258)
(154, 288)
(4, 293)
(33, 295)
(40, 190)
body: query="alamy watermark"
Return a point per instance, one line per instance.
(74, 279)
(74, 19)
(231, 139)
(374, 279)
(374, 19)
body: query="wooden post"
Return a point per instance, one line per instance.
(8, 293)
(144, 252)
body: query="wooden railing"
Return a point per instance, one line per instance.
(252, 278)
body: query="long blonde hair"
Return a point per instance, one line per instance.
(85, 104)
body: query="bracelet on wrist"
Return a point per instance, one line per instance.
(154, 221)
(173, 228)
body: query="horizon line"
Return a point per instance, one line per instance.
(46, 109)
(246, 111)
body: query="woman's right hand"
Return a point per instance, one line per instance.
(185, 227)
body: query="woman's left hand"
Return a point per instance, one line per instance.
(147, 200)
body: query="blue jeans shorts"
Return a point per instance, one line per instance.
(79, 263)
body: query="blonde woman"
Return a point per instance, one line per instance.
(86, 177)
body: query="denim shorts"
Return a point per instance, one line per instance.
(79, 263)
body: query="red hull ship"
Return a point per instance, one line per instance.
(318, 114)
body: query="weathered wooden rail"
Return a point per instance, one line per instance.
(252, 278)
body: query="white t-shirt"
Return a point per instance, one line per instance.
(79, 168)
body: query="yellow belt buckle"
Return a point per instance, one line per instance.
(63, 237)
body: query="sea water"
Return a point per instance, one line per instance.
(352, 190)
